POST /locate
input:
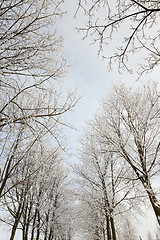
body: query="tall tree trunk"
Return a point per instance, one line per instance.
(33, 225)
(38, 225)
(46, 229)
(104, 234)
(26, 223)
(17, 219)
(108, 228)
(113, 228)
(154, 201)
(107, 208)
(50, 234)
(147, 186)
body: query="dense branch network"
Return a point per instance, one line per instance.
(32, 106)
(133, 23)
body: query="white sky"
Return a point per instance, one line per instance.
(87, 73)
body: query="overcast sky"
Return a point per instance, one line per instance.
(87, 72)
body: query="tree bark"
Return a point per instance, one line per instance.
(17, 219)
(154, 201)
(108, 228)
(33, 225)
(38, 225)
(113, 228)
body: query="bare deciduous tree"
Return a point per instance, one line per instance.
(39, 204)
(130, 124)
(31, 103)
(106, 189)
(32, 107)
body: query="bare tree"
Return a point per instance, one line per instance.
(32, 65)
(40, 204)
(32, 107)
(133, 22)
(32, 116)
(106, 189)
(130, 123)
